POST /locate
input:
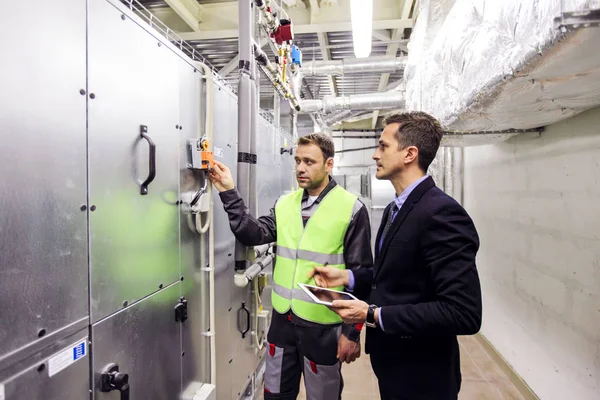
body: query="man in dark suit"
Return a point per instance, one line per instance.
(424, 289)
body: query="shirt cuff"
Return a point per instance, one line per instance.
(351, 279)
(352, 332)
(381, 318)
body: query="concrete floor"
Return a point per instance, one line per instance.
(483, 379)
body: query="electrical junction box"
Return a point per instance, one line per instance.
(263, 322)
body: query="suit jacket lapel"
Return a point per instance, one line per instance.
(380, 230)
(406, 208)
(408, 205)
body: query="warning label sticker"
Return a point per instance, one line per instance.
(66, 357)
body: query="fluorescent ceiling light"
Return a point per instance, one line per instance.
(361, 13)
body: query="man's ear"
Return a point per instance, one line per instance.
(329, 164)
(412, 152)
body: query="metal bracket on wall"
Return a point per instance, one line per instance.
(284, 150)
(569, 21)
(181, 311)
(247, 158)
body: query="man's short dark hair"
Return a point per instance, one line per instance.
(321, 140)
(418, 129)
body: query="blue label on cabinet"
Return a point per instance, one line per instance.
(78, 351)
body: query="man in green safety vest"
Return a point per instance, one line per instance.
(319, 224)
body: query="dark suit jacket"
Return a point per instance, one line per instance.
(426, 282)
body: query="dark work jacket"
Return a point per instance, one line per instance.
(252, 231)
(426, 281)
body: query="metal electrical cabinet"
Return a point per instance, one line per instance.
(59, 371)
(94, 191)
(134, 173)
(193, 248)
(144, 342)
(133, 139)
(227, 336)
(269, 155)
(43, 233)
(270, 185)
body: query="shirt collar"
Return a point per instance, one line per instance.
(332, 183)
(401, 199)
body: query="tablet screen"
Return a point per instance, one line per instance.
(328, 295)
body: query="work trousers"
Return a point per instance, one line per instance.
(293, 350)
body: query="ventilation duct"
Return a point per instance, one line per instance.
(371, 101)
(353, 66)
(489, 65)
(340, 116)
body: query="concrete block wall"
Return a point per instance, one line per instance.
(535, 201)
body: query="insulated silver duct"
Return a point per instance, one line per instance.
(295, 126)
(297, 85)
(370, 101)
(276, 110)
(340, 116)
(353, 66)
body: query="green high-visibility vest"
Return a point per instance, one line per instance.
(300, 248)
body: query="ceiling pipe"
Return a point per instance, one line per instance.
(245, 111)
(297, 85)
(340, 116)
(383, 64)
(262, 58)
(353, 66)
(273, 74)
(371, 101)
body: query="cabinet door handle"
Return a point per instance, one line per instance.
(240, 315)
(151, 160)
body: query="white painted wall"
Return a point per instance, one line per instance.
(536, 204)
(360, 159)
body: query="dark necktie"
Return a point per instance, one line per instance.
(390, 218)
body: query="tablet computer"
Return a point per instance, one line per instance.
(325, 296)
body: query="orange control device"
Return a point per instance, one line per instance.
(206, 156)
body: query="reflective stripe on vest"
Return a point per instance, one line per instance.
(318, 258)
(300, 248)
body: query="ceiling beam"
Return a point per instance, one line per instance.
(323, 42)
(383, 35)
(408, 6)
(307, 89)
(399, 24)
(392, 51)
(314, 7)
(189, 11)
(394, 85)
